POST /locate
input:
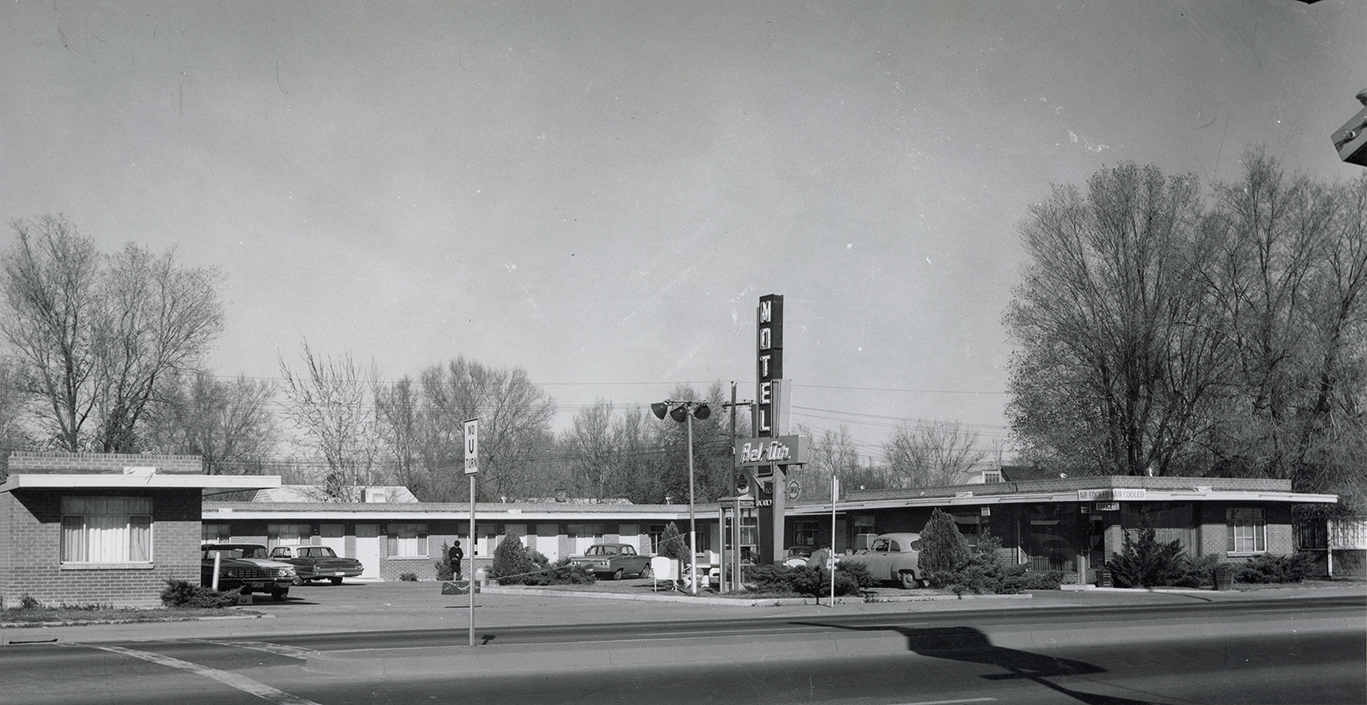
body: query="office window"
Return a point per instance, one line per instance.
(804, 533)
(1247, 531)
(407, 540)
(106, 529)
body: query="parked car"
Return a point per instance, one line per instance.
(614, 559)
(892, 557)
(316, 563)
(797, 556)
(245, 566)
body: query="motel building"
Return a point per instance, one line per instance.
(111, 529)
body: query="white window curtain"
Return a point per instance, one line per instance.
(106, 529)
(408, 540)
(1247, 530)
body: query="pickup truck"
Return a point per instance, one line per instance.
(893, 557)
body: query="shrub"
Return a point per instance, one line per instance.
(673, 544)
(512, 562)
(801, 580)
(1275, 569)
(984, 572)
(180, 594)
(562, 573)
(27, 602)
(943, 548)
(444, 569)
(1146, 562)
(1196, 572)
(408, 577)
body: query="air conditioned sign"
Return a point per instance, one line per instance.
(1110, 494)
(784, 450)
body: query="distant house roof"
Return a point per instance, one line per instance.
(316, 493)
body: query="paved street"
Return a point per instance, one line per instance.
(405, 642)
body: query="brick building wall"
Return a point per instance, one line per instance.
(30, 528)
(52, 462)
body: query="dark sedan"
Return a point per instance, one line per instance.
(317, 563)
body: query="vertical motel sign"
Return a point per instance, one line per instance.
(768, 369)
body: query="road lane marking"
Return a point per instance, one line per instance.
(242, 683)
(951, 702)
(277, 649)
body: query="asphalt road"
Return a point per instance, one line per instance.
(1277, 651)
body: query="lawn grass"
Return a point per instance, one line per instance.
(37, 616)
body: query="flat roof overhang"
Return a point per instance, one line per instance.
(483, 513)
(206, 484)
(970, 500)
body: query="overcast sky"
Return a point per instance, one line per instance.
(600, 192)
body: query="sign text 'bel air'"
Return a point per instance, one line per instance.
(784, 450)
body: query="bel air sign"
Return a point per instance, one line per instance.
(784, 450)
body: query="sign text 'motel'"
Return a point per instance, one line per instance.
(769, 364)
(784, 450)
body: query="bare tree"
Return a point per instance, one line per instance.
(92, 337)
(398, 426)
(593, 451)
(931, 455)
(833, 452)
(514, 424)
(228, 424)
(330, 406)
(1116, 359)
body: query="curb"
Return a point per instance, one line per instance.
(512, 659)
(735, 602)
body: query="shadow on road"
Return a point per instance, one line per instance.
(969, 645)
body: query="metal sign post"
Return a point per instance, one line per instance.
(835, 494)
(471, 469)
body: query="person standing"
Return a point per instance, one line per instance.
(455, 555)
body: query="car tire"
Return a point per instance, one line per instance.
(617, 575)
(908, 580)
(280, 595)
(336, 581)
(645, 572)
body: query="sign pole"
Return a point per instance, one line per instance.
(835, 494)
(471, 469)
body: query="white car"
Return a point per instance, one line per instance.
(893, 557)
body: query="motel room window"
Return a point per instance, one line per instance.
(215, 533)
(1247, 530)
(407, 540)
(106, 529)
(586, 531)
(655, 532)
(288, 535)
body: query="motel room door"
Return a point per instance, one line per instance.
(368, 549)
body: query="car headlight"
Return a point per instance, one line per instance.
(284, 572)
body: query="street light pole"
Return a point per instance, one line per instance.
(684, 411)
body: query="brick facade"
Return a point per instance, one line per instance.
(30, 564)
(51, 462)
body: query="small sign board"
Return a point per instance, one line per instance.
(471, 446)
(784, 450)
(1108, 506)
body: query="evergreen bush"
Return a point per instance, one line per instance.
(674, 544)
(180, 594)
(943, 549)
(1144, 561)
(1275, 569)
(513, 563)
(445, 571)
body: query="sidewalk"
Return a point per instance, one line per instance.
(395, 606)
